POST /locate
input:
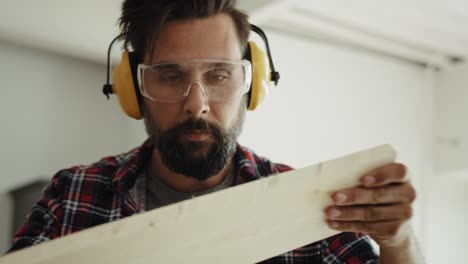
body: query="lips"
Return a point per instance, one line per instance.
(196, 135)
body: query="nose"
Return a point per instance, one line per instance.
(196, 102)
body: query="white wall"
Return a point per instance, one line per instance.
(446, 206)
(331, 100)
(53, 115)
(452, 124)
(447, 216)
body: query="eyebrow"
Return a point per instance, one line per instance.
(169, 66)
(221, 65)
(176, 66)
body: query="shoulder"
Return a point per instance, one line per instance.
(106, 173)
(252, 166)
(101, 171)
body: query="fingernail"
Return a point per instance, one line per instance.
(334, 224)
(334, 213)
(369, 180)
(341, 197)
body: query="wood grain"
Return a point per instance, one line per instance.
(243, 224)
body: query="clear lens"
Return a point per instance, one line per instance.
(220, 80)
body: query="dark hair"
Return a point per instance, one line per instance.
(141, 20)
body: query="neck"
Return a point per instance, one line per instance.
(180, 182)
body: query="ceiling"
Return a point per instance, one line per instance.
(424, 30)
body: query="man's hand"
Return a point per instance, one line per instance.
(380, 207)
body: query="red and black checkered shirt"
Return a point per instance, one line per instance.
(85, 196)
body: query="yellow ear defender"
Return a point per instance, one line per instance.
(263, 70)
(125, 83)
(124, 86)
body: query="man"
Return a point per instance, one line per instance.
(194, 93)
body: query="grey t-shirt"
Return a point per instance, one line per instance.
(159, 194)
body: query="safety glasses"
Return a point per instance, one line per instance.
(219, 80)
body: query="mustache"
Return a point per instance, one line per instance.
(198, 125)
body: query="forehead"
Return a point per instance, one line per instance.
(214, 37)
(198, 64)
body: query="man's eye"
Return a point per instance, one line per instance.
(218, 76)
(170, 78)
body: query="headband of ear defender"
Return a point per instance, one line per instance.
(125, 82)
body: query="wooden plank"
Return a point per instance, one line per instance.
(243, 224)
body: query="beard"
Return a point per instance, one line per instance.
(196, 159)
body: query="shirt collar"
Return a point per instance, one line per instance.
(130, 165)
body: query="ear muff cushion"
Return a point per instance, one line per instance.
(261, 75)
(123, 85)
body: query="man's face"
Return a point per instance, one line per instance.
(195, 137)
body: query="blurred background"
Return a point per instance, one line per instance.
(354, 74)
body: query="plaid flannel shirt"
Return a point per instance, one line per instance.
(84, 196)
